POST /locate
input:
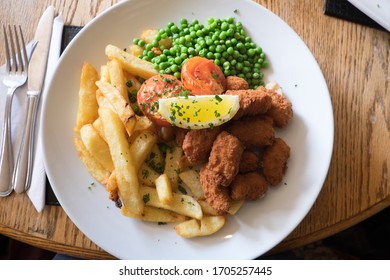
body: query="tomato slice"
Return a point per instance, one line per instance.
(202, 76)
(154, 88)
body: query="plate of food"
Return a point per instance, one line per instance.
(145, 172)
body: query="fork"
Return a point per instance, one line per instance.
(15, 76)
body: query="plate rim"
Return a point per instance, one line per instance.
(120, 4)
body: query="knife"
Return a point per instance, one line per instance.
(21, 179)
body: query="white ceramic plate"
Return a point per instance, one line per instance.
(378, 10)
(258, 226)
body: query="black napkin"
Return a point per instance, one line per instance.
(345, 10)
(69, 32)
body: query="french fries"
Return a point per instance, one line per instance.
(152, 214)
(126, 174)
(183, 204)
(131, 63)
(120, 105)
(91, 164)
(164, 189)
(206, 226)
(117, 78)
(148, 36)
(207, 209)
(141, 147)
(172, 165)
(192, 181)
(87, 110)
(235, 206)
(96, 145)
(112, 187)
(147, 175)
(119, 149)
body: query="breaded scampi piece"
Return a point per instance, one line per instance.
(236, 83)
(197, 144)
(250, 186)
(224, 160)
(254, 132)
(281, 108)
(216, 196)
(249, 162)
(180, 134)
(221, 169)
(252, 102)
(275, 159)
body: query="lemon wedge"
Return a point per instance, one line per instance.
(200, 111)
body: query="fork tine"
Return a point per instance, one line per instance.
(7, 54)
(23, 48)
(12, 49)
(19, 63)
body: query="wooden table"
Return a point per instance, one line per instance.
(355, 62)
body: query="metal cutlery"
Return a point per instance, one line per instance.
(36, 74)
(16, 76)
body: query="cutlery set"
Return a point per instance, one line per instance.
(20, 67)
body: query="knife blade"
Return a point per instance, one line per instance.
(21, 179)
(37, 66)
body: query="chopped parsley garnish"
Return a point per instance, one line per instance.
(182, 189)
(146, 198)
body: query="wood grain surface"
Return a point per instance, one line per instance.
(355, 62)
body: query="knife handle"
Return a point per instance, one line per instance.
(24, 162)
(6, 157)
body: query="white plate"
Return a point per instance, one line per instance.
(378, 10)
(258, 226)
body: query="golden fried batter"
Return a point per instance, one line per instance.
(249, 162)
(255, 132)
(216, 196)
(281, 108)
(220, 171)
(275, 159)
(250, 186)
(197, 144)
(180, 134)
(235, 83)
(252, 102)
(224, 159)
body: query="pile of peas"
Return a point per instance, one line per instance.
(222, 40)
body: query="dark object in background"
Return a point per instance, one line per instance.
(345, 10)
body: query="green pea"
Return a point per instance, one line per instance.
(251, 52)
(163, 57)
(210, 55)
(178, 60)
(174, 68)
(163, 65)
(230, 20)
(141, 43)
(224, 26)
(150, 55)
(223, 35)
(203, 52)
(219, 48)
